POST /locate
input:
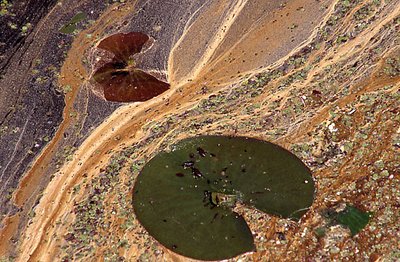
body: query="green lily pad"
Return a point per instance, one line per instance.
(185, 198)
(353, 218)
(70, 27)
(78, 18)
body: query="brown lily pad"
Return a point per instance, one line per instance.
(124, 45)
(120, 80)
(123, 85)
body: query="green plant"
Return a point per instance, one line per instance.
(353, 218)
(4, 7)
(70, 27)
(349, 217)
(187, 198)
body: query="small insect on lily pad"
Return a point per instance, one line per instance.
(185, 198)
(120, 79)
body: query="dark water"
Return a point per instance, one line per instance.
(121, 81)
(194, 187)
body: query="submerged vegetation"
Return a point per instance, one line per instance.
(345, 215)
(353, 218)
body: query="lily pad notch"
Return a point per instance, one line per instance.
(186, 198)
(121, 79)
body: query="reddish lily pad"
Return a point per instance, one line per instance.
(124, 85)
(124, 45)
(120, 79)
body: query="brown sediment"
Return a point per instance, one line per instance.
(251, 36)
(10, 227)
